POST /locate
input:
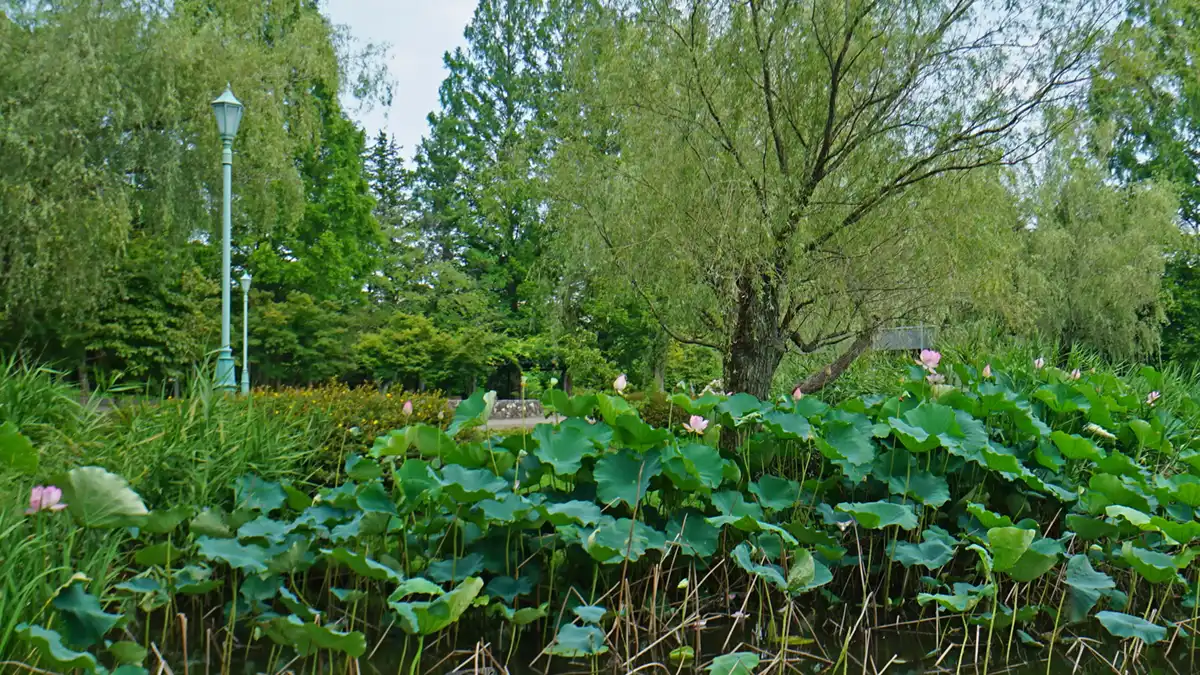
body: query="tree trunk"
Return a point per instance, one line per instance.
(756, 347)
(831, 372)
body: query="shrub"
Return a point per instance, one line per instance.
(349, 419)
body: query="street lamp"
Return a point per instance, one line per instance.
(245, 333)
(228, 111)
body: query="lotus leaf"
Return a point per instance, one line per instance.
(1128, 626)
(362, 470)
(51, 650)
(472, 411)
(776, 493)
(1090, 529)
(1074, 446)
(415, 586)
(579, 512)
(563, 448)
(737, 663)
(210, 523)
(100, 499)
(789, 425)
(590, 613)
(84, 621)
(264, 528)
(523, 616)
(162, 555)
(963, 599)
(878, 515)
(508, 588)
(772, 574)
(1155, 567)
(362, 565)
(1036, 561)
(617, 540)
(843, 440)
(470, 485)
(578, 641)
(426, 618)
(252, 492)
(569, 406)
(164, 522)
(249, 558)
(455, 569)
(694, 466)
(694, 535)
(16, 452)
(625, 476)
(297, 607)
(936, 550)
(309, 638)
(127, 652)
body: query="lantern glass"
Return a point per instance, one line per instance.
(228, 111)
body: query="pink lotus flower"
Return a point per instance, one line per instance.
(44, 498)
(1039, 363)
(620, 383)
(1153, 397)
(987, 371)
(408, 407)
(930, 359)
(797, 394)
(1075, 374)
(696, 424)
(935, 378)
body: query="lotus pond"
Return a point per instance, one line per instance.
(1025, 521)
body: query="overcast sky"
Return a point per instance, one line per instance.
(419, 32)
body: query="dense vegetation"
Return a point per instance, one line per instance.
(1007, 509)
(574, 215)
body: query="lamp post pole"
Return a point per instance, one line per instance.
(245, 333)
(228, 111)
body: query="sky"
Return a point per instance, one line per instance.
(419, 32)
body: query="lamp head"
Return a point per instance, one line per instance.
(245, 282)
(228, 111)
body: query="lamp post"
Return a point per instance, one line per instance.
(245, 333)
(228, 111)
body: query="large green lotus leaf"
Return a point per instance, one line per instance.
(901, 472)
(773, 574)
(84, 621)
(523, 616)
(612, 407)
(1119, 464)
(296, 606)
(139, 586)
(16, 452)
(1188, 493)
(161, 554)
(987, 518)
(310, 638)
(575, 642)
(999, 458)
(694, 535)
(742, 408)
(1074, 446)
(472, 411)
(1119, 492)
(569, 406)
(618, 540)
(1080, 574)
(563, 448)
(1047, 455)
(362, 470)
(1155, 567)
(471, 485)
(290, 557)
(508, 588)
(737, 663)
(509, 509)
(372, 498)
(344, 496)
(936, 550)
(259, 589)
(1062, 398)
(788, 425)
(1136, 518)
(733, 503)
(625, 476)
(629, 431)
(1008, 544)
(572, 512)
(914, 438)
(592, 614)
(249, 558)
(455, 569)
(210, 523)
(417, 479)
(878, 515)
(426, 618)
(806, 573)
(694, 466)
(1039, 559)
(296, 499)
(1149, 435)
(362, 565)
(415, 586)
(1182, 533)
(776, 493)
(99, 499)
(194, 580)
(51, 650)
(843, 440)
(1090, 529)
(810, 534)
(932, 418)
(252, 492)
(748, 523)
(164, 522)
(127, 652)
(1129, 626)
(272, 531)
(696, 406)
(429, 441)
(963, 599)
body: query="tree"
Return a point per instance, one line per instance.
(763, 173)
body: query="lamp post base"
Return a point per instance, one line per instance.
(245, 380)
(224, 379)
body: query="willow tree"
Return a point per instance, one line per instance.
(775, 175)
